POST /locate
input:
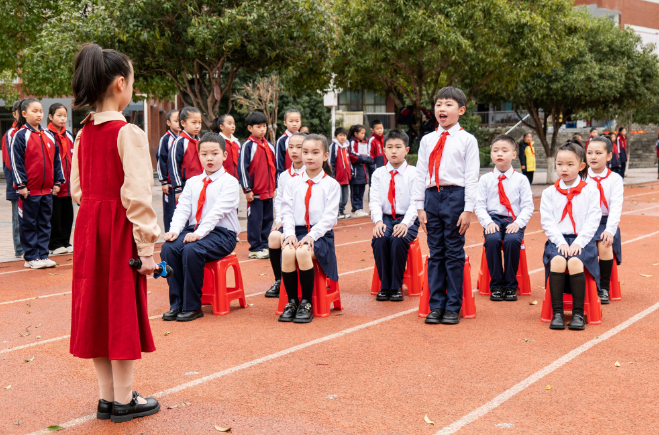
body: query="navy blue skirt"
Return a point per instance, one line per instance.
(323, 249)
(589, 256)
(617, 243)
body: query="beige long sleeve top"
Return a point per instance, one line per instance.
(136, 196)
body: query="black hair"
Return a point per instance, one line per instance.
(256, 118)
(95, 69)
(186, 112)
(339, 131)
(170, 113)
(17, 106)
(217, 122)
(605, 140)
(25, 103)
(54, 108)
(576, 148)
(355, 129)
(397, 134)
(621, 128)
(505, 138)
(593, 129)
(299, 134)
(576, 140)
(289, 111)
(376, 122)
(323, 141)
(213, 137)
(451, 93)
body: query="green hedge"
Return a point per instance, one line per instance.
(411, 159)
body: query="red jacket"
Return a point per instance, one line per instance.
(183, 161)
(377, 151)
(65, 143)
(340, 162)
(257, 168)
(35, 161)
(233, 153)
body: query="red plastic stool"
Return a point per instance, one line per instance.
(414, 272)
(523, 277)
(592, 306)
(325, 293)
(215, 291)
(615, 293)
(468, 301)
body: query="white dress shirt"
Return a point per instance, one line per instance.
(518, 191)
(614, 189)
(283, 178)
(323, 205)
(379, 194)
(459, 166)
(585, 210)
(222, 198)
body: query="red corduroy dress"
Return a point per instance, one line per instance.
(109, 316)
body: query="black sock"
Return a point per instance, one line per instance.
(275, 261)
(306, 283)
(578, 284)
(605, 274)
(556, 288)
(290, 283)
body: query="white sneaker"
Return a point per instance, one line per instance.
(359, 213)
(341, 216)
(70, 249)
(347, 215)
(263, 255)
(60, 250)
(35, 264)
(48, 262)
(253, 254)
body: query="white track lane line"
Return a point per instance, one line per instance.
(640, 209)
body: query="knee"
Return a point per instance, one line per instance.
(574, 265)
(190, 250)
(288, 254)
(303, 253)
(493, 239)
(274, 240)
(512, 241)
(558, 264)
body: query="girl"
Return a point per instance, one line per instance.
(616, 160)
(309, 208)
(183, 160)
(11, 194)
(37, 170)
(361, 160)
(62, 218)
(527, 156)
(622, 149)
(570, 214)
(111, 179)
(611, 189)
(225, 125)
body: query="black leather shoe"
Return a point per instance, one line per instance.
(383, 295)
(289, 312)
(435, 316)
(497, 294)
(122, 413)
(304, 312)
(104, 410)
(577, 323)
(604, 297)
(186, 316)
(396, 296)
(170, 315)
(510, 294)
(558, 321)
(451, 318)
(273, 292)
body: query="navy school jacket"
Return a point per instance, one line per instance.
(6, 162)
(360, 156)
(281, 153)
(35, 161)
(254, 172)
(183, 161)
(162, 156)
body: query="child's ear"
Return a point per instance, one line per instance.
(250, 128)
(462, 110)
(407, 150)
(225, 154)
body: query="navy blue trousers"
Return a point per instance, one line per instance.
(358, 196)
(188, 261)
(512, 245)
(34, 214)
(447, 255)
(260, 215)
(168, 207)
(391, 253)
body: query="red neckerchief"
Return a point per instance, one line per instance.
(267, 151)
(574, 191)
(307, 198)
(202, 200)
(436, 156)
(61, 136)
(287, 134)
(599, 187)
(530, 145)
(392, 192)
(503, 198)
(235, 150)
(623, 142)
(185, 135)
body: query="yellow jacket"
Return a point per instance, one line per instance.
(527, 156)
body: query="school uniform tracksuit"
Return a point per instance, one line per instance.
(281, 153)
(341, 170)
(62, 218)
(11, 193)
(360, 157)
(162, 157)
(376, 147)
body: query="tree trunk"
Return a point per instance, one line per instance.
(551, 172)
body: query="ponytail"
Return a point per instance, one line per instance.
(94, 71)
(327, 168)
(23, 107)
(323, 142)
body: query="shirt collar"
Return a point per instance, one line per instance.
(602, 174)
(232, 138)
(451, 131)
(400, 169)
(508, 173)
(29, 127)
(297, 171)
(102, 117)
(215, 175)
(575, 184)
(318, 177)
(288, 133)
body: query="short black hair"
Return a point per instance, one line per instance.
(506, 138)
(339, 131)
(451, 93)
(213, 137)
(593, 129)
(256, 118)
(289, 111)
(170, 113)
(605, 140)
(376, 122)
(397, 134)
(621, 128)
(187, 112)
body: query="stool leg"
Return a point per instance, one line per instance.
(238, 278)
(223, 306)
(468, 301)
(547, 312)
(375, 283)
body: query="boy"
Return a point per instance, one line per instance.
(376, 145)
(203, 229)
(256, 173)
(168, 197)
(394, 215)
(445, 192)
(12, 196)
(593, 134)
(292, 122)
(504, 207)
(341, 168)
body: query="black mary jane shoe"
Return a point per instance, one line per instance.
(510, 294)
(104, 410)
(123, 413)
(577, 323)
(383, 295)
(558, 321)
(604, 297)
(273, 292)
(497, 294)
(289, 312)
(187, 316)
(451, 318)
(396, 296)
(304, 313)
(435, 316)
(170, 315)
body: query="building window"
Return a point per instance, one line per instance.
(362, 101)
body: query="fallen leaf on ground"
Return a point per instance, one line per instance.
(548, 387)
(173, 406)
(29, 304)
(26, 330)
(322, 364)
(429, 421)
(38, 337)
(533, 303)
(654, 264)
(262, 274)
(167, 333)
(29, 360)
(617, 364)
(250, 305)
(27, 312)
(34, 298)
(149, 292)
(54, 428)
(7, 387)
(38, 325)
(53, 274)
(645, 276)
(18, 422)
(222, 429)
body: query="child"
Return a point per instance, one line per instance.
(35, 161)
(61, 221)
(570, 214)
(309, 207)
(11, 193)
(292, 122)
(527, 156)
(204, 229)
(341, 167)
(225, 125)
(611, 190)
(162, 164)
(360, 157)
(622, 149)
(111, 179)
(445, 191)
(593, 135)
(394, 215)
(616, 160)
(376, 146)
(256, 172)
(503, 208)
(183, 159)
(576, 137)
(304, 129)
(275, 238)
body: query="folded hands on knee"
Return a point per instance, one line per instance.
(293, 242)
(569, 251)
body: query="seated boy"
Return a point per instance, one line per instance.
(503, 207)
(203, 229)
(394, 215)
